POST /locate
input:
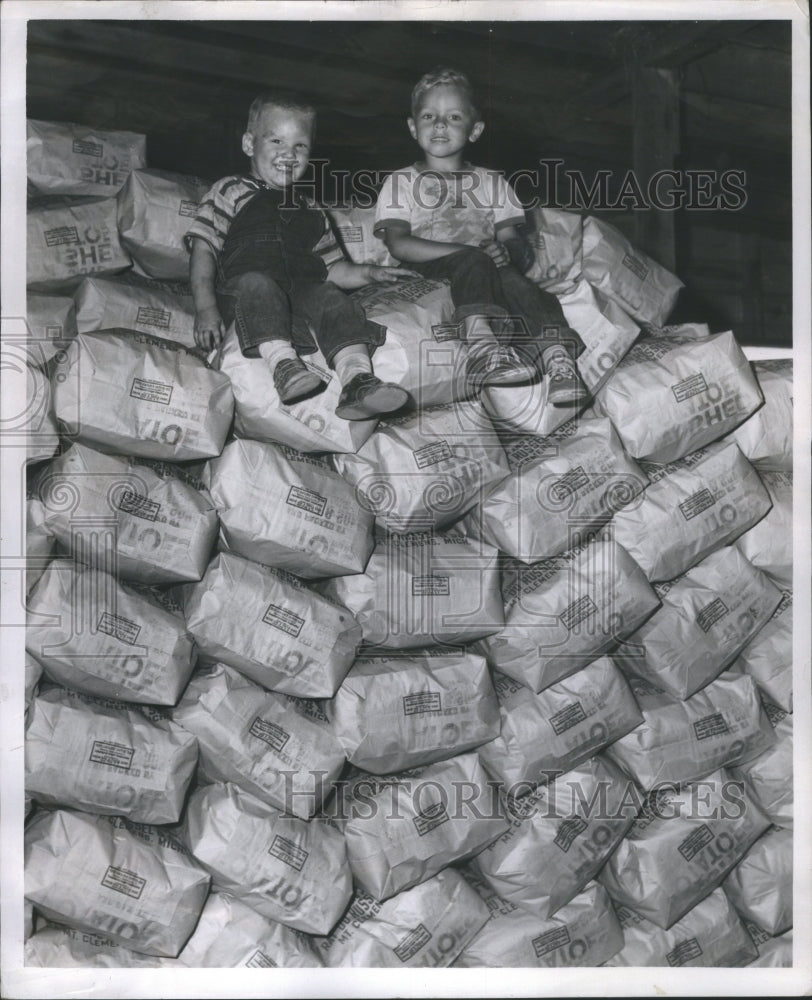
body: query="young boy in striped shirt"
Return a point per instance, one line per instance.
(264, 257)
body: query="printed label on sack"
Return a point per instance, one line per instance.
(151, 391)
(757, 934)
(684, 952)
(431, 817)
(308, 707)
(774, 713)
(443, 332)
(421, 702)
(139, 506)
(627, 917)
(112, 754)
(259, 960)
(189, 208)
(410, 291)
(352, 234)
(275, 736)
(711, 614)
(431, 586)
(577, 612)
(693, 385)
(695, 841)
(61, 235)
(522, 450)
(697, 503)
(304, 499)
(53, 332)
(149, 316)
(636, 266)
(285, 850)
(286, 621)
(431, 454)
(567, 718)
(569, 484)
(551, 941)
(119, 628)
(710, 726)
(123, 881)
(568, 831)
(412, 943)
(323, 373)
(785, 605)
(87, 148)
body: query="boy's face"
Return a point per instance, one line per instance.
(279, 146)
(445, 122)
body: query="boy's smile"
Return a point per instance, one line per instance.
(444, 125)
(279, 146)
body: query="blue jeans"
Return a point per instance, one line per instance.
(273, 285)
(307, 314)
(480, 288)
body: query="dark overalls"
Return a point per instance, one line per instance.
(273, 286)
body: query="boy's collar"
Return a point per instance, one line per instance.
(298, 196)
(422, 168)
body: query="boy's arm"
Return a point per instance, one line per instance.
(209, 327)
(347, 275)
(519, 250)
(414, 249)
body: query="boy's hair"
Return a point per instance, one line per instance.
(448, 76)
(279, 99)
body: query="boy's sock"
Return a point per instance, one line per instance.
(351, 361)
(292, 379)
(363, 395)
(273, 351)
(489, 362)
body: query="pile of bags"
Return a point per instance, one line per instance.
(488, 683)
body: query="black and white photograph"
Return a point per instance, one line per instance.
(420, 606)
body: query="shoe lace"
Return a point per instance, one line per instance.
(560, 366)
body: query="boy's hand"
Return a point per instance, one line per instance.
(496, 251)
(209, 328)
(377, 273)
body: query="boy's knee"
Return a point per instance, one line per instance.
(256, 283)
(513, 279)
(472, 261)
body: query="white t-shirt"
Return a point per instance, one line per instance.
(468, 206)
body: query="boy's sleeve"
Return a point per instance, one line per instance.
(214, 216)
(507, 209)
(328, 246)
(393, 210)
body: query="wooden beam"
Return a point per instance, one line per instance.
(708, 117)
(158, 67)
(666, 46)
(743, 73)
(655, 145)
(210, 63)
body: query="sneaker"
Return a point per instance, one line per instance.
(366, 396)
(293, 381)
(498, 365)
(566, 386)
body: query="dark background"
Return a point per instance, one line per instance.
(617, 96)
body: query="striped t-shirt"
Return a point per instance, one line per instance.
(228, 196)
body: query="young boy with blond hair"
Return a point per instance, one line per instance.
(450, 220)
(263, 256)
